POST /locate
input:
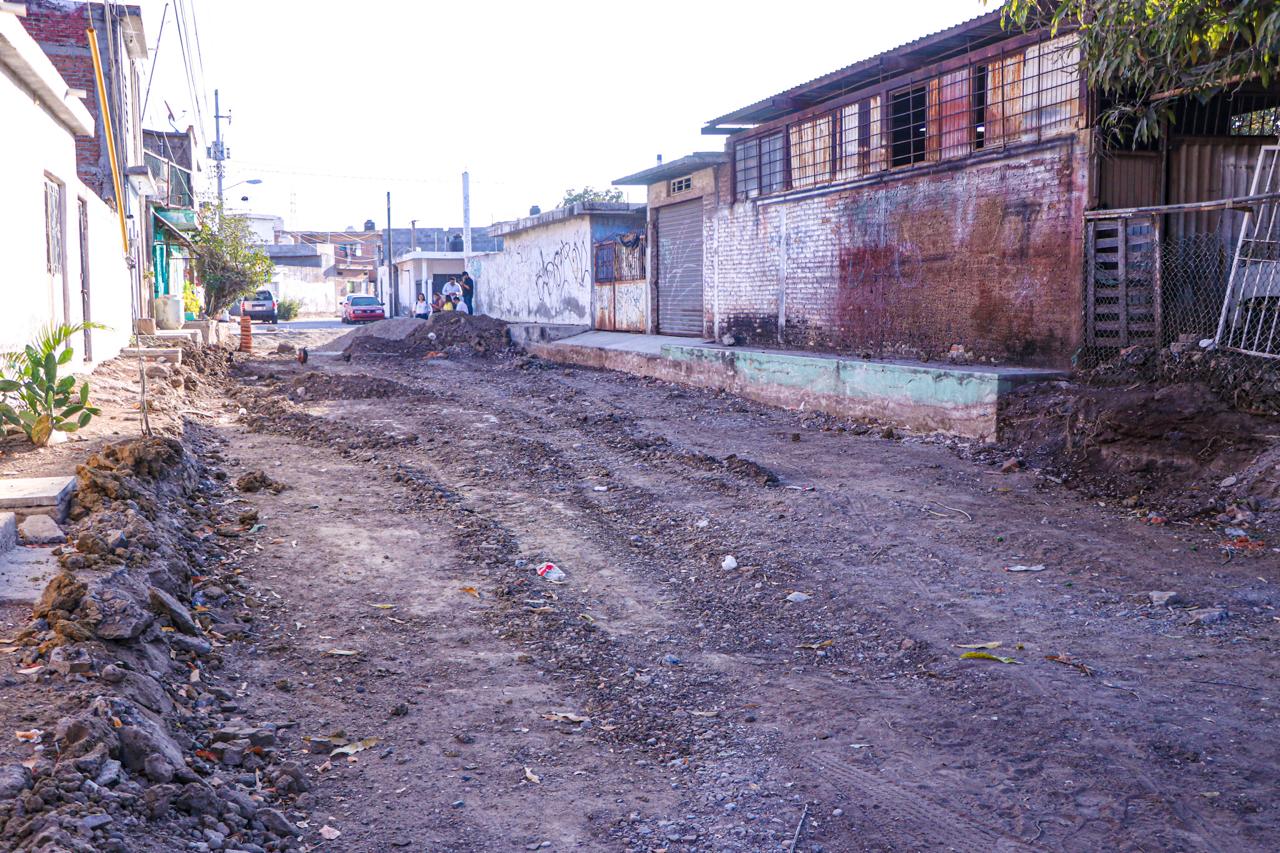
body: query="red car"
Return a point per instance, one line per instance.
(362, 309)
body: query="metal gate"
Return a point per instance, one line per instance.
(1250, 320)
(1123, 287)
(680, 269)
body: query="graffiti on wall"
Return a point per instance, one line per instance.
(541, 276)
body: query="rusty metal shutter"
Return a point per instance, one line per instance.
(680, 269)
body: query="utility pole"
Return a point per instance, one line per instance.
(413, 226)
(218, 153)
(391, 268)
(466, 216)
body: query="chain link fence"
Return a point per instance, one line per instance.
(1155, 280)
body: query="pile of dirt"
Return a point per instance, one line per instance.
(395, 329)
(315, 385)
(257, 481)
(1179, 447)
(451, 332)
(125, 731)
(1247, 383)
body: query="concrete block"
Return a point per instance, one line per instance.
(8, 532)
(18, 493)
(165, 337)
(24, 573)
(208, 330)
(527, 333)
(169, 354)
(41, 529)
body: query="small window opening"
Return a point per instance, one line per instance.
(979, 106)
(909, 125)
(681, 185)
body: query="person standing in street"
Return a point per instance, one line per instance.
(421, 308)
(468, 285)
(459, 305)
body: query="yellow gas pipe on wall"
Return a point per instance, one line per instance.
(111, 136)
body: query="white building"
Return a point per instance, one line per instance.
(425, 273)
(64, 254)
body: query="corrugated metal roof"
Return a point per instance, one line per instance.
(674, 169)
(928, 48)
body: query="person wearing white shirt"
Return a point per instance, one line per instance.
(452, 288)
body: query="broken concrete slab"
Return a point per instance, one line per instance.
(173, 355)
(27, 496)
(8, 532)
(24, 572)
(41, 529)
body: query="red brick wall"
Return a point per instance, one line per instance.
(987, 255)
(60, 29)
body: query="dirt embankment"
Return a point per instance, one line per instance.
(1180, 434)
(446, 332)
(127, 738)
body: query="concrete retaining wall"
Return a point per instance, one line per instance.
(955, 400)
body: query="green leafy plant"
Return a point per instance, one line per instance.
(190, 301)
(572, 196)
(45, 401)
(288, 309)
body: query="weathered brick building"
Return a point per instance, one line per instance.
(930, 198)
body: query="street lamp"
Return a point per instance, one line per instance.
(238, 183)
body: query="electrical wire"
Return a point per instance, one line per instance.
(192, 89)
(155, 61)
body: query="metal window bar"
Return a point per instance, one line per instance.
(606, 253)
(615, 260)
(1015, 96)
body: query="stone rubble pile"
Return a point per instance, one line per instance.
(127, 637)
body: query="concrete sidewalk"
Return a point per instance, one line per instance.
(958, 399)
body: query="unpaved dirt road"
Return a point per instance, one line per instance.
(664, 698)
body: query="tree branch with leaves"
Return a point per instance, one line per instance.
(572, 197)
(1146, 55)
(228, 262)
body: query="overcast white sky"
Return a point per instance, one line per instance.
(335, 103)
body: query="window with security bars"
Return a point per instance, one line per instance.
(1015, 94)
(55, 251)
(760, 166)
(908, 125)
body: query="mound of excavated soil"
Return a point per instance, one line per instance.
(393, 330)
(1247, 383)
(447, 331)
(1179, 447)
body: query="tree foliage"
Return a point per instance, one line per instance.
(572, 197)
(1144, 55)
(227, 261)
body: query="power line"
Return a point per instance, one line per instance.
(249, 165)
(192, 89)
(204, 82)
(155, 61)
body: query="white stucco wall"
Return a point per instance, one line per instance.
(316, 287)
(542, 275)
(36, 145)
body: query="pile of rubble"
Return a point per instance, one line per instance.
(447, 332)
(129, 725)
